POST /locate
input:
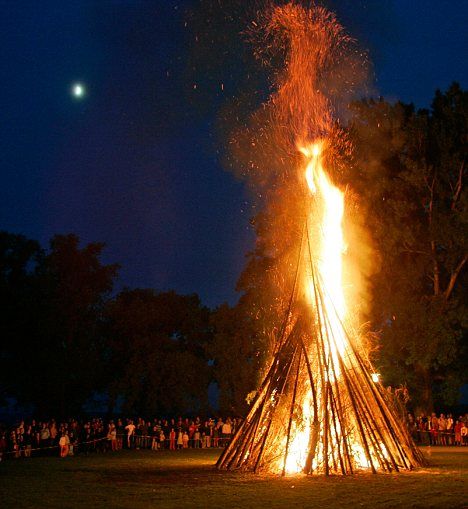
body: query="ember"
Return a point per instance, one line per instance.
(318, 409)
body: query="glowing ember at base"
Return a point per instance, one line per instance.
(318, 409)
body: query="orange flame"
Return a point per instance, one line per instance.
(332, 245)
(329, 269)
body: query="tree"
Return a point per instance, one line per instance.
(18, 259)
(236, 357)
(60, 346)
(157, 352)
(409, 173)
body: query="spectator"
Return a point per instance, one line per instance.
(97, 435)
(130, 427)
(64, 443)
(3, 445)
(44, 436)
(53, 432)
(162, 439)
(215, 436)
(120, 433)
(13, 447)
(208, 432)
(191, 433)
(154, 437)
(434, 426)
(457, 430)
(196, 439)
(112, 437)
(449, 428)
(172, 440)
(27, 442)
(442, 430)
(180, 439)
(464, 434)
(73, 437)
(226, 431)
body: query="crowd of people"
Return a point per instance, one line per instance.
(70, 437)
(438, 430)
(67, 438)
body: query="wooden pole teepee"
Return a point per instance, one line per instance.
(318, 410)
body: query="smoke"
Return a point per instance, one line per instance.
(279, 74)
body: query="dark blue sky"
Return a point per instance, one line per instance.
(131, 165)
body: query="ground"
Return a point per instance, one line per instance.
(182, 479)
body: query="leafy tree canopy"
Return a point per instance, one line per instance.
(409, 174)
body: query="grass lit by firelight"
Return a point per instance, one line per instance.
(182, 479)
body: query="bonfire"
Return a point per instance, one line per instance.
(318, 409)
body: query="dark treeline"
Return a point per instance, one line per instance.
(66, 335)
(410, 177)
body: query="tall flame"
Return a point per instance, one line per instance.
(331, 240)
(326, 215)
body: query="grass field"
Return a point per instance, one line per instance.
(146, 479)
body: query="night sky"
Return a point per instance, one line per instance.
(130, 164)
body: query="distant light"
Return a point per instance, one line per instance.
(375, 377)
(78, 90)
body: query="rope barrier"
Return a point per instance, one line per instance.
(221, 442)
(21, 450)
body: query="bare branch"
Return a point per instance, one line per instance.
(453, 278)
(459, 185)
(408, 249)
(435, 263)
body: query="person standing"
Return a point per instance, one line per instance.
(457, 429)
(434, 423)
(27, 442)
(3, 445)
(144, 430)
(180, 439)
(53, 432)
(120, 433)
(226, 431)
(442, 430)
(211, 426)
(64, 444)
(73, 438)
(44, 436)
(196, 438)
(13, 446)
(450, 431)
(464, 434)
(172, 440)
(154, 438)
(19, 439)
(112, 437)
(191, 433)
(35, 434)
(162, 440)
(130, 427)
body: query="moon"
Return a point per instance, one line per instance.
(78, 90)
